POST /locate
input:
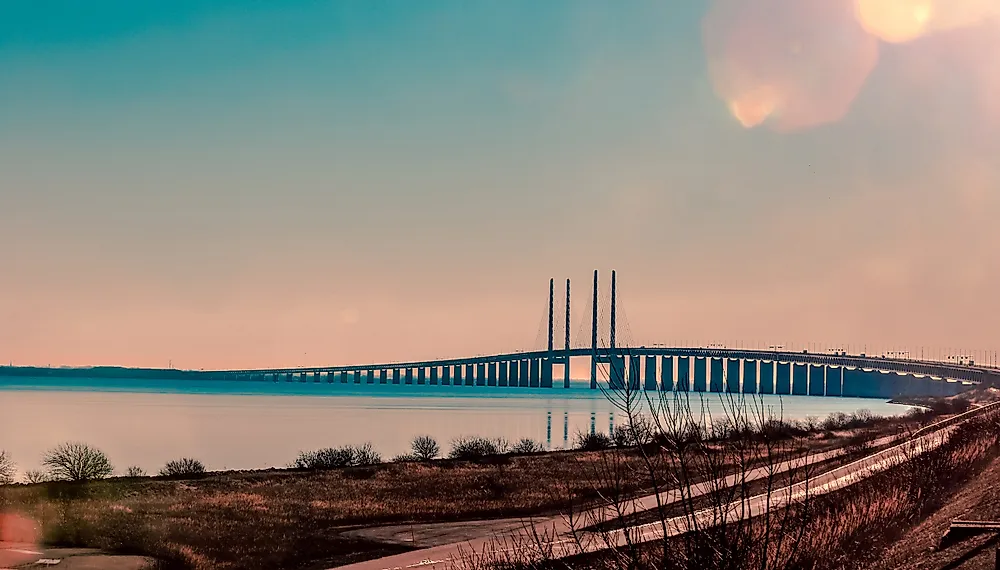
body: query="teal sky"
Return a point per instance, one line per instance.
(223, 183)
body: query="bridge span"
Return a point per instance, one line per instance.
(691, 369)
(660, 368)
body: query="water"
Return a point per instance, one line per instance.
(253, 425)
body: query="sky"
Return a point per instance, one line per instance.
(236, 184)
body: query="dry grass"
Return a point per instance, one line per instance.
(293, 519)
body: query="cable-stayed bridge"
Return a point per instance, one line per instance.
(663, 368)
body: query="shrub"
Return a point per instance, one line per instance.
(7, 468)
(526, 446)
(76, 462)
(424, 448)
(405, 458)
(337, 457)
(366, 455)
(475, 448)
(593, 441)
(135, 471)
(35, 476)
(182, 467)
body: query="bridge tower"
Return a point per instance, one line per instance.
(552, 357)
(616, 361)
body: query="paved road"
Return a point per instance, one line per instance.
(450, 554)
(13, 555)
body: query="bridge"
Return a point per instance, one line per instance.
(659, 368)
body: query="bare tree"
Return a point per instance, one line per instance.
(425, 448)
(76, 462)
(7, 468)
(33, 476)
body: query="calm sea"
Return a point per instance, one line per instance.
(251, 425)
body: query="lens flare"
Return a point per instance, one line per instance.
(787, 64)
(901, 21)
(895, 21)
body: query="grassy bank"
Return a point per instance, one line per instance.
(293, 518)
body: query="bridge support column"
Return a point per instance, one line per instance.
(834, 380)
(357, 376)
(716, 380)
(508, 374)
(409, 376)
(699, 373)
(766, 377)
(396, 373)
(683, 383)
(566, 371)
(667, 373)
(446, 375)
(546, 365)
(732, 375)
(783, 384)
(817, 380)
(635, 372)
(649, 383)
(383, 376)
(480, 374)
(534, 373)
(522, 374)
(370, 376)
(421, 376)
(491, 373)
(470, 379)
(434, 375)
(458, 381)
(749, 376)
(800, 379)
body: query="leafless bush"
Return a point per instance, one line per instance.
(7, 468)
(424, 448)
(183, 467)
(476, 448)
(76, 462)
(34, 476)
(526, 446)
(338, 457)
(596, 441)
(135, 471)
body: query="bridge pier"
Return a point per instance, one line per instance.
(383, 376)
(834, 380)
(817, 380)
(480, 374)
(783, 385)
(491, 373)
(732, 375)
(408, 376)
(434, 375)
(667, 373)
(649, 382)
(446, 375)
(470, 379)
(546, 365)
(699, 373)
(533, 373)
(522, 374)
(716, 374)
(750, 376)
(683, 380)
(458, 380)
(800, 379)
(421, 376)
